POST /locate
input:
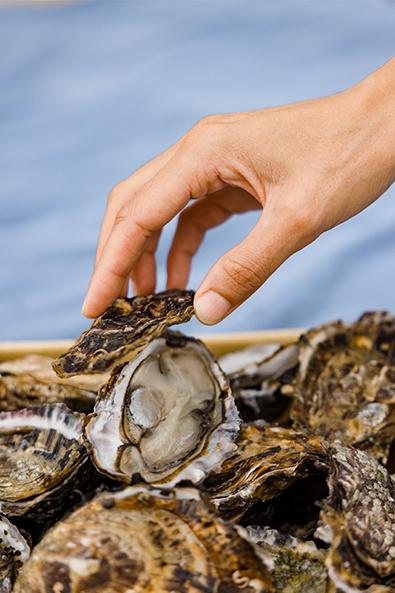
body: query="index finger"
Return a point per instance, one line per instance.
(159, 201)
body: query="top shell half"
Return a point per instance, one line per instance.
(123, 330)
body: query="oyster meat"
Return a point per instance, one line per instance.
(123, 330)
(360, 513)
(268, 460)
(297, 566)
(168, 415)
(143, 540)
(345, 385)
(43, 462)
(31, 381)
(14, 552)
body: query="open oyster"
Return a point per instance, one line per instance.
(297, 566)
(167, 415)
(360, 512)
(14, 551)
(260, 387)
(31, 381)
(43, 462)
(144, 540)
(268, 460)
(123, 330)
(345, 386)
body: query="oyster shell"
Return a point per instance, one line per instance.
(144, 540)
(268, 460)
(360, 513)
(235, 363)
(43, 462)
(345, 386)
(167, 415)
(297, 566)
(14, 552)
(31, 381)
(123, 330)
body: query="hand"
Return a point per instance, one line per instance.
(309, 166)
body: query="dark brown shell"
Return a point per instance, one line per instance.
(361, 515)
(123, 330)
(267, 462)
(31, 381)
(144, 540)
(345, 386)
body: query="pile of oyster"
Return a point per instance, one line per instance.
(142, 464)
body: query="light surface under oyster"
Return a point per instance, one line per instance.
(345, 386)
(167, 415)
(14, 552)
(123, 330)
(360, 513)
(143, 540)
(42, 461)
(268, 460)
(31, 381)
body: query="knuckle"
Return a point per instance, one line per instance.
(243, 277)
(206, 130)
(115, 194)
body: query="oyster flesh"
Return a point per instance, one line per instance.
(143, 540)
(345, 385)
(14, 552)
(168, 415)
(43, 462)
(360, 513)
(268, 460)
(123, 330)
(297, 566)
(31, 381)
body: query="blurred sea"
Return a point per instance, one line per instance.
(91, 90)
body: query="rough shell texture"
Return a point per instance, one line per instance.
(123, 330)
(297, 566)
(14, 551)
(345, 387)
(43, 462)
(361, 515)
(168, 415)
(31, 381)
(268, 461)
(144, 541)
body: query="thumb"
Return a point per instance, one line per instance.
(243, 269)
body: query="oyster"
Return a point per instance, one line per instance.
(345, 386)
(43, 462)
(123, 330)
(297, 566)
(144, 540)
(268, 460)
(235, 363)
(167, 415)
(360, 513)
(31, 381)
(14, 551)
(261, 387)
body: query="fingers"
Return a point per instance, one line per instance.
(243, 269)
(195, 221)
(144, 272)
(156, 204)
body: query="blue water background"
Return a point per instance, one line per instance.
(89, 91)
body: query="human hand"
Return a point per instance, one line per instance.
(309, 166)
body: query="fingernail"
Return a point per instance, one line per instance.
(84, 304)
(211, 307)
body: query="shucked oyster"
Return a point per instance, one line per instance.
(142, 540)
(297, 566)
(31, 381)
(14, 551)
(361, 515)
(123, 330)
(345, 386)
(268, 460)
(43, 462)
(167, 415)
